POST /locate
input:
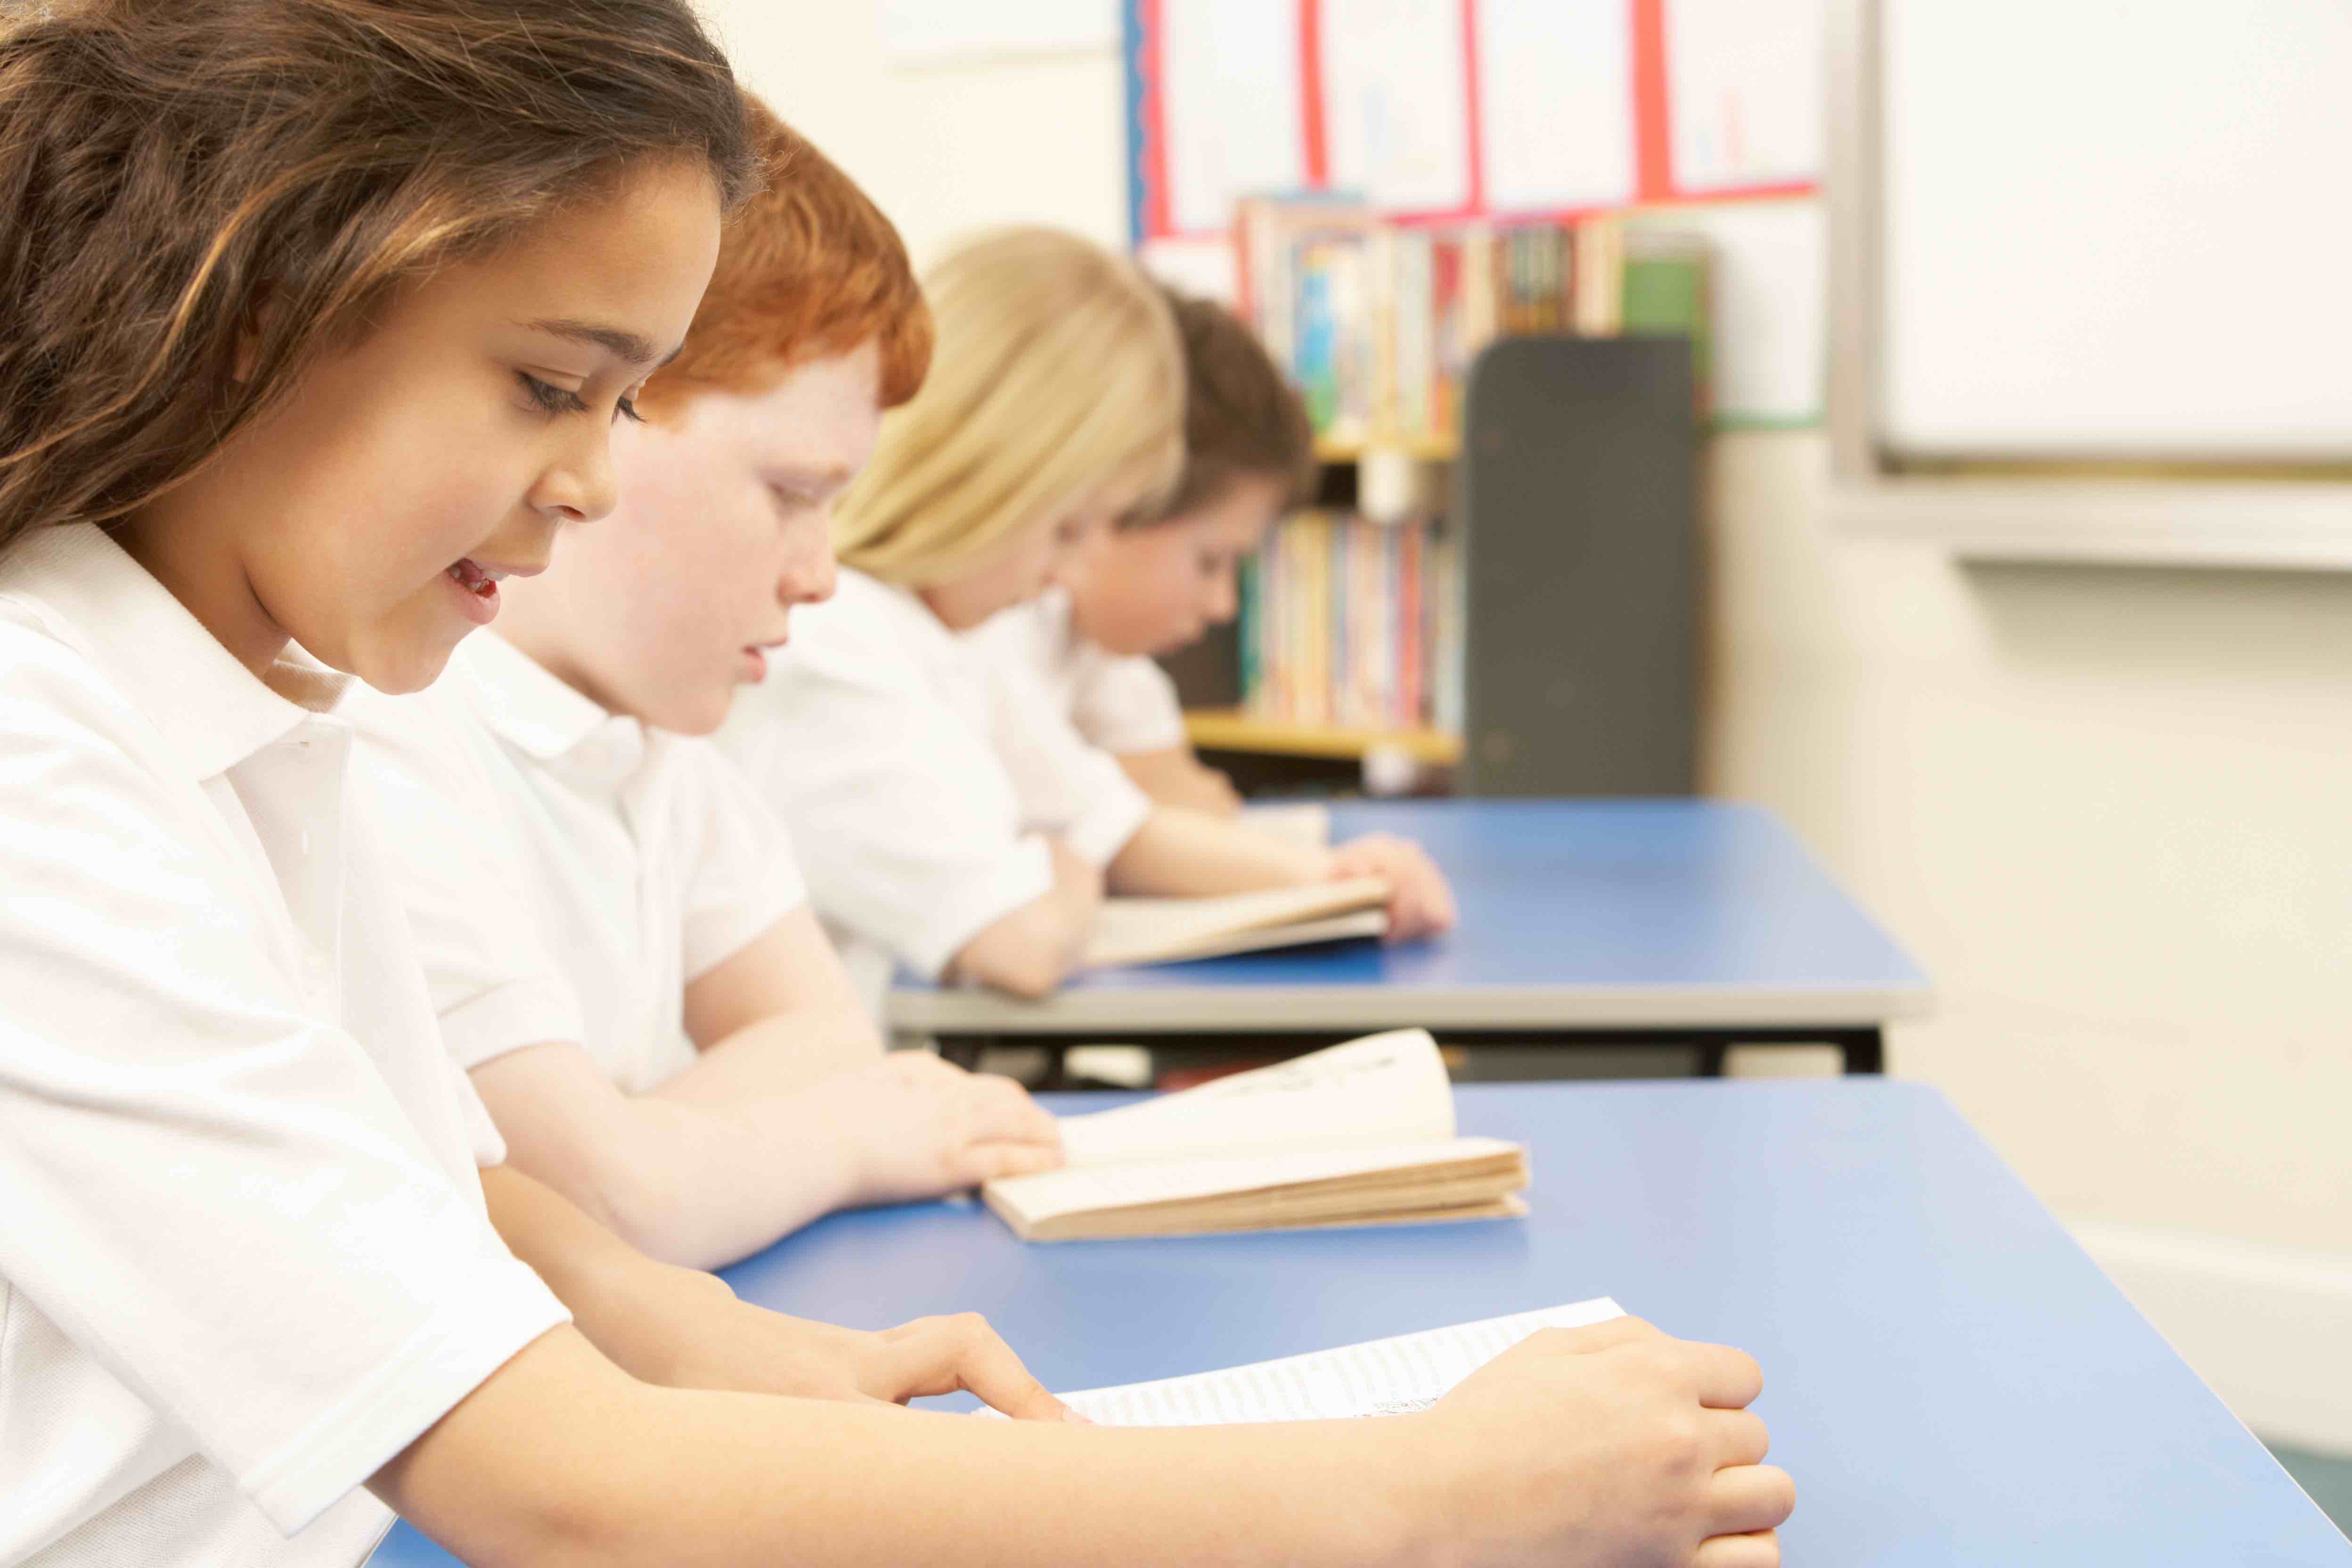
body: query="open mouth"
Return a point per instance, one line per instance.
(476, 580)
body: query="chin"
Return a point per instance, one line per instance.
(397, 671)
(695, 716)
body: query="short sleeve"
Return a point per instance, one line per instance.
(1126, 703)
(741, 875)
(432, 773)
(1066, 787)
(906, 825)
(208, 1190)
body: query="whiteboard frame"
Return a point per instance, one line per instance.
(2252, 522)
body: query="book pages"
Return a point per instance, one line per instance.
(1050, 1193)
(1380, 1377)
(1388, 1088)
(1146, 931)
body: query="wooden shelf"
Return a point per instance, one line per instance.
(1231, 729)
(1428, 447)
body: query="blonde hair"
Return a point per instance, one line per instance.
(1058, 370)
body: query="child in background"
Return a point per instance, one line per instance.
(1162, 578)
(618, 943)
(323, 309)
(951, 820)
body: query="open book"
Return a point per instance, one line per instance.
(1161, 930)
(1359, 1134)
(1380, 1377)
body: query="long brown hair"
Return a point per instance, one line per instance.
(167, 164)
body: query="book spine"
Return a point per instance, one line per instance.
(1245, 629)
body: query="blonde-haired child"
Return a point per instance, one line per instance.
(953, 821)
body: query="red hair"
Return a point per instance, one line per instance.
(808, 267)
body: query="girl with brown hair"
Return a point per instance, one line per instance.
(322, 311)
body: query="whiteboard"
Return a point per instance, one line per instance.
(2114, 228)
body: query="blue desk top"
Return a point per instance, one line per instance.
(1948, 1377)
(1574, 913)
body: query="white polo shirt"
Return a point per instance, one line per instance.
(917, 776)
(1116, 702)
(567, 871)
(244, 1256)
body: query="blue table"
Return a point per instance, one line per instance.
(1947, 1376)
(1674, 922)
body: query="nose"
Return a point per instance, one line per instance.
(580, 484)
(1223, 599)
(809, 572)
(808, 579)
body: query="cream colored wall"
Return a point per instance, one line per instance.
(944, 148)
(2111, 811)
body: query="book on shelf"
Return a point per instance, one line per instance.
(1393, 1377)
(1351, 623)
(1362, 1134)
(1378, 323)
(1168, 931)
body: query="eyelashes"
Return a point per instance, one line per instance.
(553, 400)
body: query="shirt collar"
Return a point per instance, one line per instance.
(211, 711)
(526, 704)
(902, 609)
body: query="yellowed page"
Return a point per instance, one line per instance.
(1078, 1190)
(1388, 1088)
(1139, 930)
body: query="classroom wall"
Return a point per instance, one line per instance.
(2110, 810)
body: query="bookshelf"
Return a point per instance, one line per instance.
(1355, 622)
(1422, 447)
(1232, 730)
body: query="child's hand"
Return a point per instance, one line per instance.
(719, 1342)
(1607, 1444)
(1419, 903)
(915, 1126)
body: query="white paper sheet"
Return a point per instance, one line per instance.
(1744, 96)
(1556, 103)
(1396, 103)
(1380, 1377)
(1229, 104)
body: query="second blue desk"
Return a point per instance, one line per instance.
(1672, 922)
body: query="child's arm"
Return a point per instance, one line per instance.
(1175, 776)
(1183, 853)
(701, 1184)
(680, 1328)
(1032, 950)
(1605, 1447)
(777, 1016)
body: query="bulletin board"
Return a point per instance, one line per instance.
(1446, 111)
(1704, 116)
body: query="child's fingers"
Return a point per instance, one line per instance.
(1759, 1548)
(1724, 1378)
(941, 1355)
(1746, 1498)
(1002, 1108)
(989, 1162)
(1739, 1437)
